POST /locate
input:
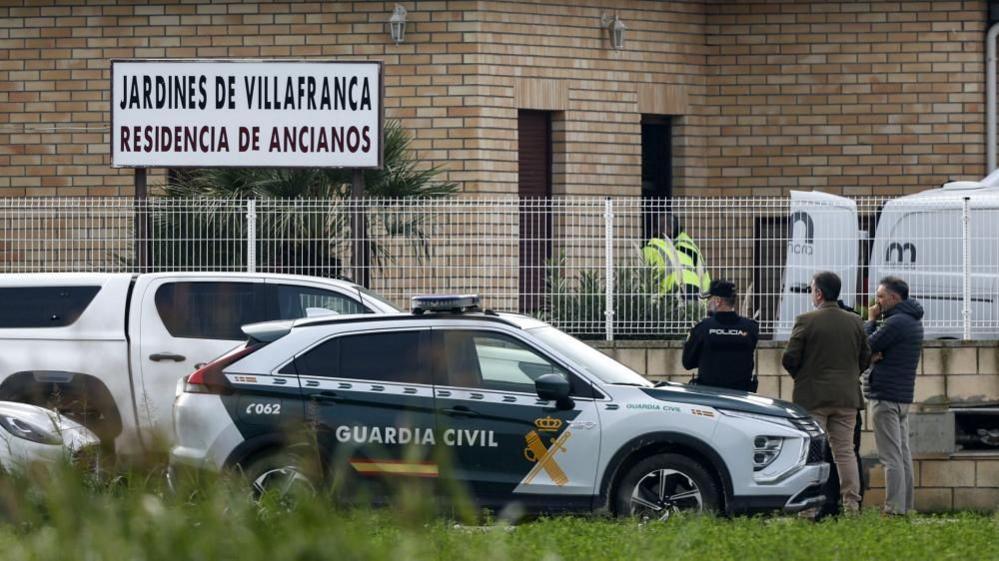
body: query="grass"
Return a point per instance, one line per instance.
(63, 515)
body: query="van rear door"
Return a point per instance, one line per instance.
(822, 236)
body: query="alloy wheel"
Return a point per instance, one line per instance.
(663, 492)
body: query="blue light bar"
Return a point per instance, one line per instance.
(445, 303)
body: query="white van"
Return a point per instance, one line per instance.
(823, 236)
(920, 239)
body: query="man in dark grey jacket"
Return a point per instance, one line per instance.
(895, 345)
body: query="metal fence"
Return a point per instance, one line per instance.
(576, 262)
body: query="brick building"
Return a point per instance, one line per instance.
(732, 98)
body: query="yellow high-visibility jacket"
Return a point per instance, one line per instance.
(692, 260)
(676, 271)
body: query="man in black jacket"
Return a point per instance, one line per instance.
(722, 346)
(895, 345)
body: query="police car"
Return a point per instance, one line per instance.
(511, 408)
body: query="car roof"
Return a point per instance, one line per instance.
(245, 275)
(272, 330)
(98, 278)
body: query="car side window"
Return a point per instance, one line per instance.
(380, 357)
(209, 310)
(321, 360)
(44, 306)
(295, 302)
(480, 359)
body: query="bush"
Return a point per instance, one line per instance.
(576, 304)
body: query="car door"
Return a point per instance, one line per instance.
(504, 442)
(370, 399)
(183, 323)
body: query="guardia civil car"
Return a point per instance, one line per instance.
(509, 407)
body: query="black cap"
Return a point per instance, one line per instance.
(721, 288)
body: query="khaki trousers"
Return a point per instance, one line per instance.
(839, 422)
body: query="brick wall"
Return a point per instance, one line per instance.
(857, 97)
(949, 373)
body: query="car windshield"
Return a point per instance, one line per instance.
(375, 296)
(595, 362)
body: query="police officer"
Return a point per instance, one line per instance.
(721, 347)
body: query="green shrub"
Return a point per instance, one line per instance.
(576, 303)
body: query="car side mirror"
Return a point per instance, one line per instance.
(553, 387)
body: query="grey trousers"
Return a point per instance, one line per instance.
(891, 434)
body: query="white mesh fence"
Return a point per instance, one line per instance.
(576, 262)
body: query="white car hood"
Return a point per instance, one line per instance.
(74, 435)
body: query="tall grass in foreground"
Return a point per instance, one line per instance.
(61, 514)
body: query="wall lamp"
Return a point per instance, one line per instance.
(615, 29)
(397, 24)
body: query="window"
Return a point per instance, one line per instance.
(322, 360)
(475, 359)
(657, 169)
(209, 310)
(44, 306)
(382, 357)
(299, 301)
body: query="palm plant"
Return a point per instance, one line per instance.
(303, 214)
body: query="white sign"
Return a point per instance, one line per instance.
(214, 113)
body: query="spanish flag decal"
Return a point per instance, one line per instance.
(394, 467)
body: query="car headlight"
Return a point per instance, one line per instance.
(765, 451)
(28, 431)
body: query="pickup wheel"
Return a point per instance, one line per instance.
(283, 476)
(660, 486)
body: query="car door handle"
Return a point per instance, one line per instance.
(327, 396)
(460, 411)
(167, 356)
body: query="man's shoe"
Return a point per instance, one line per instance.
(851, 508)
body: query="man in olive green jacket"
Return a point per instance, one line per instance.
(825, 355)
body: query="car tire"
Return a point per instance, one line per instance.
(662, 485)
(282, 474)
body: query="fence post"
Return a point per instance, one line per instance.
(609, 268)
(251, 236)
(966, 250)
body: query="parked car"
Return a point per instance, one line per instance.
(107, 349)
(33, 434)
(509, 406)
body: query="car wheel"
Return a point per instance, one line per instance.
(283, 476)
(663, 485)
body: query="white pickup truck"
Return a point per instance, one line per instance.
(107, 349)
